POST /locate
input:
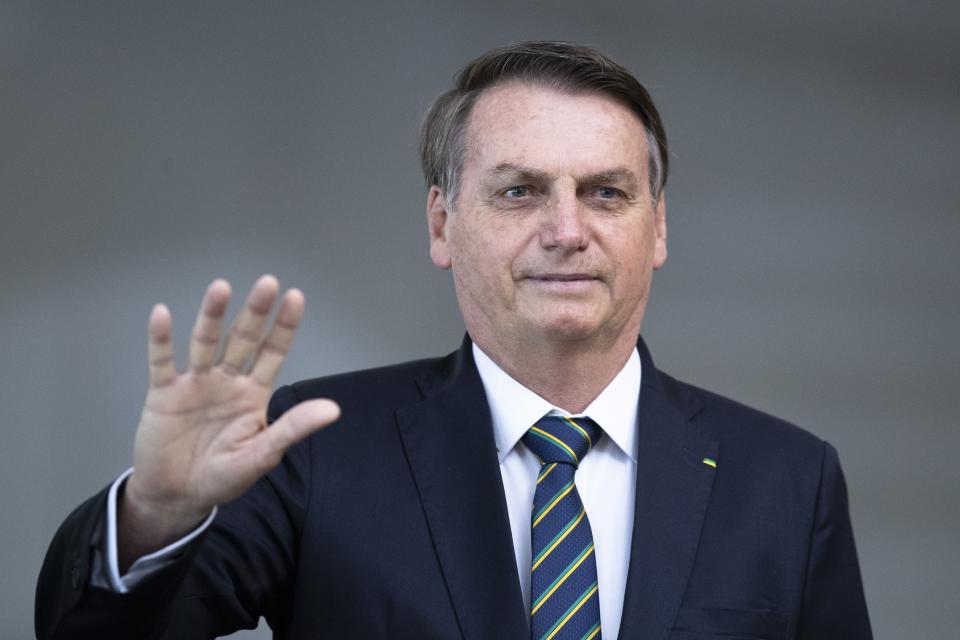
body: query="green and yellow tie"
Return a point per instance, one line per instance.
(565, 603)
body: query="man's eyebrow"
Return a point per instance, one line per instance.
(616, 175)
(529, 174)
(517, 171)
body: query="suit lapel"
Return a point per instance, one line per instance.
(448, 440)
(673, 488)
(449, 443)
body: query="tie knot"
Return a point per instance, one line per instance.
(562, 439)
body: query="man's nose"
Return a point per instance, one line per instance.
(564, 225)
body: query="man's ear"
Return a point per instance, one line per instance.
(660, 233)
(437, 216)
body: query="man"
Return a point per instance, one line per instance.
(456, 497)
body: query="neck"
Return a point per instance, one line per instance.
(535, 365)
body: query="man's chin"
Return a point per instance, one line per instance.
(568, 329)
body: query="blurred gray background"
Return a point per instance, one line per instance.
(813, 209)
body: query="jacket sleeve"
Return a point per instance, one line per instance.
(833, 601)
(238, 570)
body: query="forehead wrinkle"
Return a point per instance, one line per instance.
(491, 130)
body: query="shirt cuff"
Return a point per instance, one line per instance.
(143, 566)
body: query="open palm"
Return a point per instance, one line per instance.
(202, 438)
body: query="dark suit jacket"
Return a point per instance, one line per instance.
(393, 524)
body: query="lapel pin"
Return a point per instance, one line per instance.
(710, 462)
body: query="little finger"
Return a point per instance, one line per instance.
(160, 347)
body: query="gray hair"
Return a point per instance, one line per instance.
(557, 65)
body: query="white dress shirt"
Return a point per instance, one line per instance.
(106, 573)
(606, 479)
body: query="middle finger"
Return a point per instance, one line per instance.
(247, 328)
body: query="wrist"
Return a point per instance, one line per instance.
(145, 526)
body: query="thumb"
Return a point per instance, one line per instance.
(300, 421)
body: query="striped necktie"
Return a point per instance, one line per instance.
(564, 602)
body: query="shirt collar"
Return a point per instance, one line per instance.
(514, 408)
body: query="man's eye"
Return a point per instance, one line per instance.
(516, 192)
(608, 193)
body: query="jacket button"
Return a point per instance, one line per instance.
(75, 575)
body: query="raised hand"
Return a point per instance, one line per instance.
(202, 438)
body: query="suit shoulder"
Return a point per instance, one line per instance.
(731, 421)
(387, 385)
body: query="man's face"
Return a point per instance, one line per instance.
(553, 234)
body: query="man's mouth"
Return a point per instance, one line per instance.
(563, 282)
(563, 277)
